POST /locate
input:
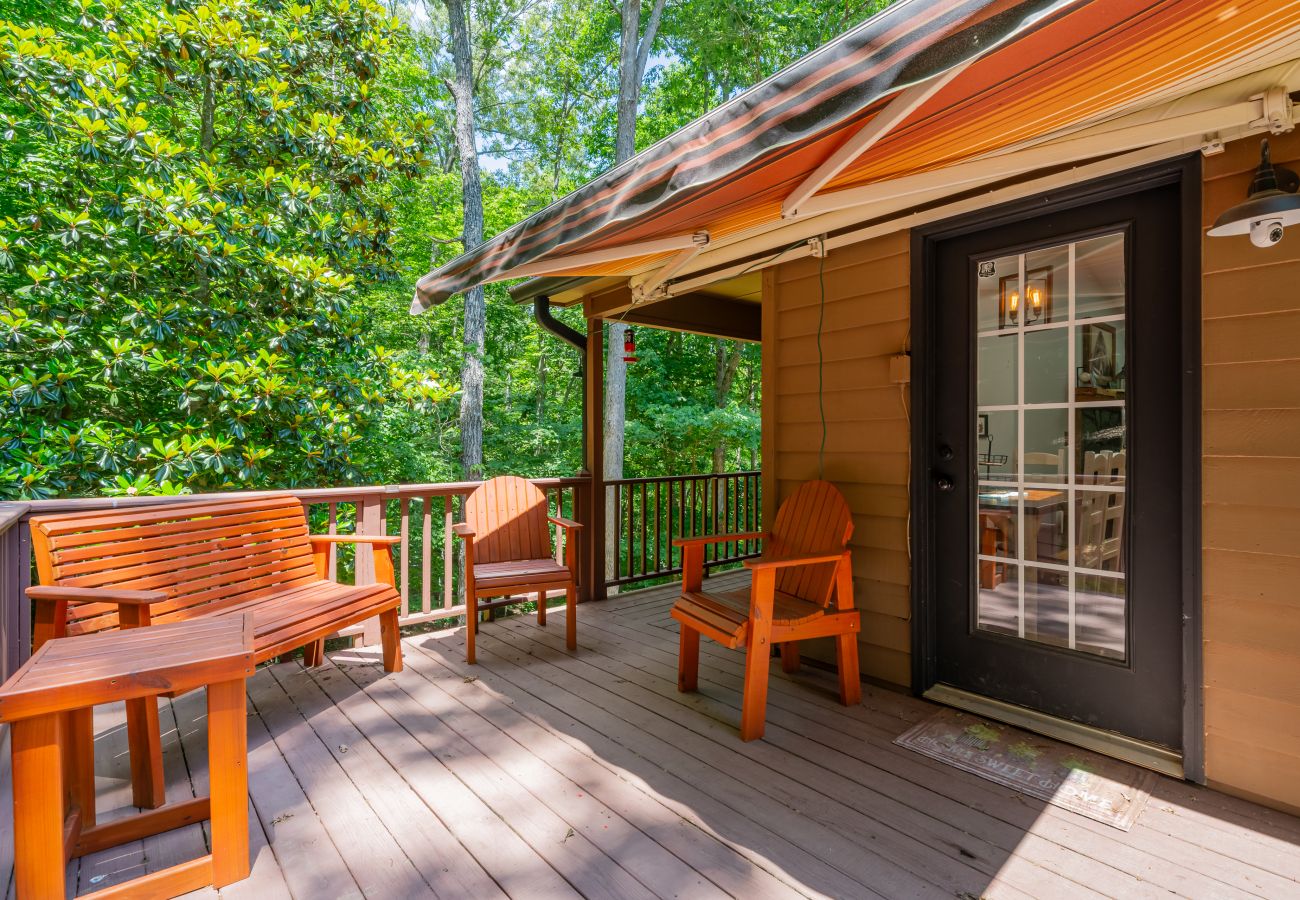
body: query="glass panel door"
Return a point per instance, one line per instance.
(1051, 446)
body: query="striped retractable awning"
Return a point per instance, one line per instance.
(1019, 71)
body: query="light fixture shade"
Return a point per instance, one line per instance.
(1272, 198)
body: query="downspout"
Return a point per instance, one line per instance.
(574, 338)
(542, 311)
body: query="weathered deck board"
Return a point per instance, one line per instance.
(1211, 868)
(540, 773)
(974, 806)
(1267, 841)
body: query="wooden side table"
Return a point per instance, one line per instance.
(48, 703)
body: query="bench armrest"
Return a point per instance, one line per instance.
(563, 522)
(56, 593)
(805, 559)
(719, 538)
(51, 619)
(462, 530)
(354, 539)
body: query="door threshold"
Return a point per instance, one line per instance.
(1107, 743)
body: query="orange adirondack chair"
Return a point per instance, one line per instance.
(802, 588)
(508, 552)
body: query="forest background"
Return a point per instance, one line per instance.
(213, 212)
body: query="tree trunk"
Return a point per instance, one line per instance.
(540, 396)
(634, 52)
(727, 355)
(615, 419)
(208, 116)
(471, 373)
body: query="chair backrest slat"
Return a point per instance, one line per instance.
(508, 515)
(814, 519)
(205, 556)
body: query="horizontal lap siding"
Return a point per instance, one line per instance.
(866, 321)
(1251, 494)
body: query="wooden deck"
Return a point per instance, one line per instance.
(538, 773)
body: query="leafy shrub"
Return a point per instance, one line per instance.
(193, 194)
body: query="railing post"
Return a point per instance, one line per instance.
(15, 573)
(370, 520)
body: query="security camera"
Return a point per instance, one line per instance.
(1266, 232)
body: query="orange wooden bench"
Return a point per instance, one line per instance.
(802, 588)
(129, 568)
(508, 552)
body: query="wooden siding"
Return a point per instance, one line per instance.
(1251, 466)
(1251, 494)
(867, 305)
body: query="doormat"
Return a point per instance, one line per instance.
(1081, 781)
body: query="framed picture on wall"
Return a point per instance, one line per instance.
(1097, 367)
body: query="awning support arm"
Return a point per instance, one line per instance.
(1082, 146)
(867, 137)
(651, 287)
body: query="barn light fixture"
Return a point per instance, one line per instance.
(1272, 205)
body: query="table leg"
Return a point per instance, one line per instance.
(38, 807)
(144, 744)
(228, 777)
(79, 762)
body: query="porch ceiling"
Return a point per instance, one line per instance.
(926, 99)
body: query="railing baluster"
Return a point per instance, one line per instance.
(448, 551)
(405, 532)
(644, 532)
(629, 530)
(334, 548)
(659, 567)
(426, 554)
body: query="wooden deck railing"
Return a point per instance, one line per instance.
(649, 512)
(421, 514)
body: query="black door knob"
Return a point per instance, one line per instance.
(943, 483)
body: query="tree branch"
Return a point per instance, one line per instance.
(648, 38)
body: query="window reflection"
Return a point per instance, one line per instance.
(1099, 271)
(1052, 445)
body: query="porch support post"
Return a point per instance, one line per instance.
(767, 416)
(592, 561)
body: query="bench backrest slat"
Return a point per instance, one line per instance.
(205, 556)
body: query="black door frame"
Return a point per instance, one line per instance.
(1186, 172)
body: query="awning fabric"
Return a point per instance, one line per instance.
(1040, 66)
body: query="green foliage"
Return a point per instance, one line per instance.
(194, 195)
(212, 213)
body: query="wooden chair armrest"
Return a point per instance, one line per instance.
(719, 538)
(563, 522)
(808, 559)
(55, 593)
(354, 539)
(462, 530)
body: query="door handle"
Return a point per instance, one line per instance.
(943, 482)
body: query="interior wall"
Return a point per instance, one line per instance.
(867, 308)
(1251, 493)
